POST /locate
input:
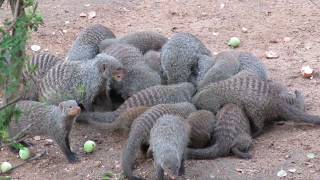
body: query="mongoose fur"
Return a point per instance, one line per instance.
(231, 133)
(140, 131)
(159, 94)
(34, 70)
(229, 63)
(202, 124)
(261, 100)
(180, 55)
(86, 45)
(79, 80)
(144, 41)
(139, 75)
(124, 121)
(48, 120)
(168, 141)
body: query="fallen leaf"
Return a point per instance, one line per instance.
(271, 55)
(292, 170)
(311, 155)
(307, 72)
(83, 14)
(67, 22)
(222, 6)
(244, 30)
(286, 39)
(282, 173)
(87, 5)
(37, 138)
(35, 48)
(92, 14)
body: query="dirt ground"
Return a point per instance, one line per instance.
(268, 22)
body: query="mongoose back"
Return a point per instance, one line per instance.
(48, 120)
(202, 123)
(229, 63)
(179, 56)
(260, 99)
(139, 75)
(39, 65)
(160, 94)
(231, 133)
(152, 59)
(35, 70)
(79, 80)
(140, 131)
(168, 141)
(86, 45)
(144, 41)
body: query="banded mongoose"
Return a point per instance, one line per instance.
(140, 131)
(144, 41)
(139, 75)
(47, 120)
(204, 64)
(232, 134)
(86, 45)
(261, 100)
(202, 124)
(124, 121)
(160, 94)
(179, 57)
(34, 70)
(152, 59)
(78, 80)
(229, 63)
(169, 138)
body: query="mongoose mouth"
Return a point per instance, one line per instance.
(118, 75)
(75, 111)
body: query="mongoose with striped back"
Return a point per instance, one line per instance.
(202, 124)
(140, 131)
(261, 100)
(229, 63)
(34, 70)
(47, 120)
(232, 133)
(144, 41)
(159, 94)
(78, 80)
(86, 45)
(179, 57)
(169, 138)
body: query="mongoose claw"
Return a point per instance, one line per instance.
(72, 158)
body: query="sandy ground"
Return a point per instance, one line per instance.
(214, 22)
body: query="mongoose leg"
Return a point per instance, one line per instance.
(159, 173)
(65, 146)
(182, 168)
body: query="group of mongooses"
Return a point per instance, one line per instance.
(179, 101)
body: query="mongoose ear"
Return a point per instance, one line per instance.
(103, 69)
(61, 106)
(119, 74)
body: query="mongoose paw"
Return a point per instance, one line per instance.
(72, 158)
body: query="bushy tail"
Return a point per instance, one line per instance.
(129, 153)
(292, 113)
(212, 152)
(104, 120)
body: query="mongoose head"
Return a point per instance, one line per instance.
(110, 66)
(187, 87)
(70, 108)
(171, 163)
